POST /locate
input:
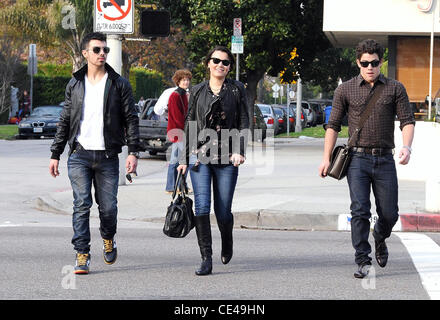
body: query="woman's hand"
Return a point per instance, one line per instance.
(237, 159)
(182, 167)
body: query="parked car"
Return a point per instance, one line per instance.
(259, 123)
(269, 116)
(281, 115)
(320, 115)
(309, 114)
(303, 115)
(153, 129)
(41, 122)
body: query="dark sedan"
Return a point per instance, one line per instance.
(41, 122)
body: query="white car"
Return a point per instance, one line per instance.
(269, 116)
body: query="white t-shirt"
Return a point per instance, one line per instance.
(91, 134)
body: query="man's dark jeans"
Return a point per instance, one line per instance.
(379, 173)
(224, 180)
(87, 167)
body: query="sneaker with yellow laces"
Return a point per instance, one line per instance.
(109, 251)
(82, 263)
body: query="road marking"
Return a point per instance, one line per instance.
(9, 224)
(425, 254)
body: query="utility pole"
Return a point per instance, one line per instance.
(298, 127)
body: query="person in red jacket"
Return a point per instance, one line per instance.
(177, 110)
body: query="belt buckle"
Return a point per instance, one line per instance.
(376, 151)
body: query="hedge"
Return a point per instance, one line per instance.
(51, 80)
(146, 83)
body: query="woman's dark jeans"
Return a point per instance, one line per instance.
(224, 180)
(87, 167)
(379, 173)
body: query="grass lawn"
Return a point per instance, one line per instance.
(8, 131)
(314, 132)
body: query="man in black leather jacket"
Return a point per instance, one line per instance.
(98, 118)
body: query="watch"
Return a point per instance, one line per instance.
(408, 147)
(134, 153)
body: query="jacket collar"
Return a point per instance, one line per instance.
(80, 74)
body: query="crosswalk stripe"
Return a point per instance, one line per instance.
(425, 254)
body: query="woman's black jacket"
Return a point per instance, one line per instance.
(234, 104)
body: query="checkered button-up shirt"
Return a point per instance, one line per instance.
(378, 131)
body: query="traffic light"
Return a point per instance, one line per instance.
(155, 23)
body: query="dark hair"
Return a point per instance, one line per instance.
(92, 36)
(219, 48)
(369, 46)
(180, 74)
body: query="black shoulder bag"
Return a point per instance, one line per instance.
(341, 156)
(179, 219)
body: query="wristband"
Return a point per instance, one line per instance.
(408, 147)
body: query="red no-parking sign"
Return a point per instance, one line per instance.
(114, 16)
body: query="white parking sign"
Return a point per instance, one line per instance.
(114, 16)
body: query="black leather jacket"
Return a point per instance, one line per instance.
(121, 122)
(234, 104)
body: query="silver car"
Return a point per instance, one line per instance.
(269, 117)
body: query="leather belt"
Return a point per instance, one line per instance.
(374, 151)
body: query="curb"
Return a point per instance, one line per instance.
(274, 219)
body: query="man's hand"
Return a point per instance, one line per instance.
(404, 156)
(323, 168)
(53, 167)
(131, 164)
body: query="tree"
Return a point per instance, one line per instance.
(51, 23)
(271, 30)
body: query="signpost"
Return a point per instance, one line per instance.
(32, 70)
(237, 44)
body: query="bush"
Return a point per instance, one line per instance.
(49, 89)
(146, 83)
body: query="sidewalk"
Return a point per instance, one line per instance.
(278, 188)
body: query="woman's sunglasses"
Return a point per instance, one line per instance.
(224, 62)
(365, 64)
(97, 50)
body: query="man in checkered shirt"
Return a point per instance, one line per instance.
(372, 164)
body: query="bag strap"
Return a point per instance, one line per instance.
(371, 102)
(181, 184)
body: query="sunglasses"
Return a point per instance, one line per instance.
(224, 62)
(97, 50)
(365, 64)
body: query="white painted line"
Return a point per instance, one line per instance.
(344, 222)
(425, 254)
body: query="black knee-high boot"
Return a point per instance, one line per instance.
(204, 238)
(227, 242)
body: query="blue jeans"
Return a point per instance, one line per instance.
(87, 167)
(379, 173)
(176, 150)
(224, 180)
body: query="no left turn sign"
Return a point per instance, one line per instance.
(114, 16)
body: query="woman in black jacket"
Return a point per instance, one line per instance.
(216, 136)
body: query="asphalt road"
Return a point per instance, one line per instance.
(37, 257)
(37, 262)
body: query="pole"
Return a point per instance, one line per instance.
(298, 127)
(288, 111)
(237, 68)
(114, 59)
(431, 58)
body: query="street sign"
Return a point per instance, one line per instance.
(237, 44)
(114, 16)
(237, 27)
(276, 87)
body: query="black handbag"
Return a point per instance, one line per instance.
(179, 219)
(341, 156)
